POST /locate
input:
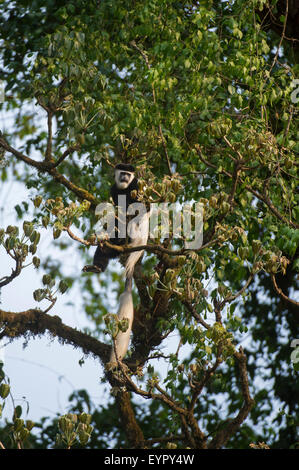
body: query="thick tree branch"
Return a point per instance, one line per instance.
(41, 166)
(82, 193)
(35, 322)
(132, 429)
(197, 435)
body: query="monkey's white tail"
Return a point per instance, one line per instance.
(138, 231)
(125, 310)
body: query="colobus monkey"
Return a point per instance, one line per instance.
(125, 183)
(125, 310)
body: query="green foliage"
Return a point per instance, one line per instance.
(18, 431)
(195, 90)
(74, 427)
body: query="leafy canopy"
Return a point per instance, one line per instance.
(198, 96)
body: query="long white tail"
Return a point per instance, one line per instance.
(138, 232)
(125, 310)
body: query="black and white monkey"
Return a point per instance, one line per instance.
(125, 183)
(125, 310)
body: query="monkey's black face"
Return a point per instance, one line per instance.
(123, 178)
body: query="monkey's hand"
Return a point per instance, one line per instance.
(91, 268)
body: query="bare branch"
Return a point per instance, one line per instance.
(280, 292)
(232, 297)
(15, 272)
(71, 149)
(36, 322)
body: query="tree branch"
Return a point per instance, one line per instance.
(129, 249)
(41, 166)
(15, 272)
(194, 313)
(231, 426)
(282, 36)
(280, 292)
(232, 297)
(132, 429)
(35, 322)
(71, 149)
(48, 155)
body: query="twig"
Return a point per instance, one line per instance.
(65, 154)
(280, 292)
(231, 298)
(15, 272)
(53, 302)
(235, 150)
(48, 155)
(207, 376)
(78, 239)
(231, 426)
